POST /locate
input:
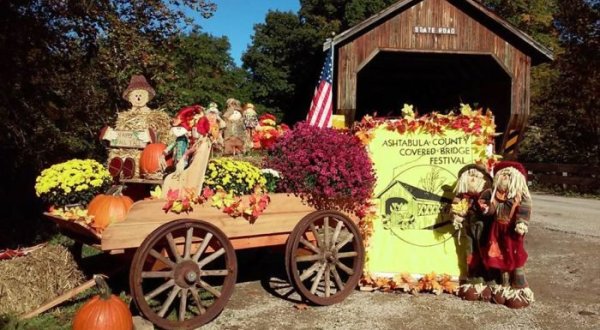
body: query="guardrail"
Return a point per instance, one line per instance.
(577, 177)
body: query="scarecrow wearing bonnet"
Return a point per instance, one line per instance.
(505, 252)
(216, 124)
(151, 126)
(473, 189)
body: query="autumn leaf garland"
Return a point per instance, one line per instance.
(231, 204)
(476, 123)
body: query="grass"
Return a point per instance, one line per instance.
(56, 319)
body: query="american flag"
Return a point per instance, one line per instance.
(321, 107)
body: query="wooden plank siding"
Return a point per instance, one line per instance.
(396, 33)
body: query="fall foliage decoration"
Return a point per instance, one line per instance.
(230, 203)
(109, 208)
(103, 312)
(433, 283)
(477, 123)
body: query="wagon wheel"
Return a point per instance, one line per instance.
(183, 274)
(324, 257)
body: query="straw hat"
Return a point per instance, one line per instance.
(139, 82)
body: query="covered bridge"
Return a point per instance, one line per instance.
(436, 54)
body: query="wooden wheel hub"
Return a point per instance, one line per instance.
(186, 273)
(330, 257)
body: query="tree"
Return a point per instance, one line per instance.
(280, 60)
(286, 54)
(204, 71)
(567, 129)
(64, 64)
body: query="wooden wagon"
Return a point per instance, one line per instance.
(184, 268)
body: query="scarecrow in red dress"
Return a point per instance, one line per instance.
(505, 251)
(473, 189)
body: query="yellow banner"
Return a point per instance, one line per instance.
(416, 174)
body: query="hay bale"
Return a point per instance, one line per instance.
(27, 282)
(139, 120)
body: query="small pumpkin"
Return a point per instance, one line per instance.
(516, 303)
(103, 312)
(150, 158)
(470, 294)
(486, 294)
(109, 208)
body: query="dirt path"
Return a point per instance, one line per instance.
(563, 271)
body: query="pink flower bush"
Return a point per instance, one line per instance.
(327, 168)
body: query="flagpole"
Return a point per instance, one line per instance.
(331, 54)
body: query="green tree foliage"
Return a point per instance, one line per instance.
(64, 65)
(281, 61)
(286, 54)
(568, 128)
(204, 71)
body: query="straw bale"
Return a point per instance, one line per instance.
(27, 282)
(139, 120)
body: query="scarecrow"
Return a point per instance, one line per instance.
(505, 252)
(250, 122)
(473, 189)
(216, 124)
(235, 132)
(147, 124)
(181, 129)
(234, 120)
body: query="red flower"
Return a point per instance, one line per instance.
(326, 167)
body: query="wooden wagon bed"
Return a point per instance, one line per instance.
(271, 228)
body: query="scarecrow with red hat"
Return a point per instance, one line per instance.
(473, 189)
(505, 252)
(181, 129)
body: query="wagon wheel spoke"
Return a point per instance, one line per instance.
(182, 304)
(160, 289)
(202, 247)
(171, 242)
(308, 272)
(313, 257)
(336, 233)
(188, 243)
(317, 279)
(347, 254)
(211, 257)
(310, 245)
(327, 280)
(209, 288)
(157, 274)
(326, 230)
(345, 268)
(169, 301)
(216, 272)
(337, 279)
(201, 308)
(344, 242)
(161, 258)
(313, 229)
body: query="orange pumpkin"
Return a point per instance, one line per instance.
(103, 312)
(150, 158)
(109, 208)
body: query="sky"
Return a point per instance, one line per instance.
(235, 19)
